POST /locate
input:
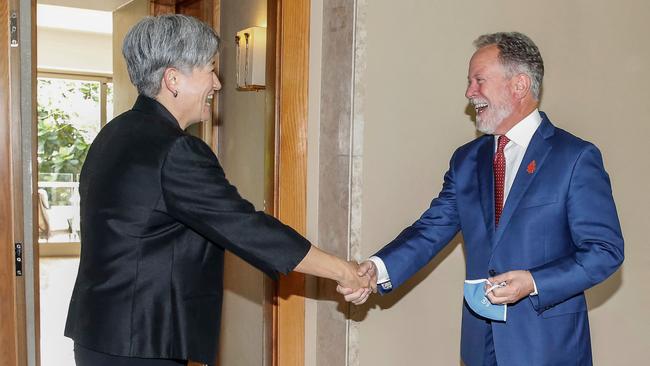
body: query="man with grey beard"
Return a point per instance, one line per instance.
(535, 207)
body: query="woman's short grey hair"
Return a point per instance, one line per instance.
(171, 40)
(518, 54)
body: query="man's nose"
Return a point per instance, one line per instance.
(470, 91)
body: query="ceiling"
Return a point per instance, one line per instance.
(103, 5)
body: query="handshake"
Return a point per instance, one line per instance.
(355, 281)
(359, 281)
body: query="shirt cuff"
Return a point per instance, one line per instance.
(382, 272)
(534, 293)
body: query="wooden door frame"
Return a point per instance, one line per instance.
(287, 73)
(288, 25)
(19, 312)
(8, 308)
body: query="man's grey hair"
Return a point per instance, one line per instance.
(518, 54)
(171, 40)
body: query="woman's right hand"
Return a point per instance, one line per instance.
(360, 281)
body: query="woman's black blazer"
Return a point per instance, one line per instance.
(157, 214)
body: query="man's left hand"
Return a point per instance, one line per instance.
(519, 284)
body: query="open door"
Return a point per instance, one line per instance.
(125, 17)
(286, 171)
(18, 320)
(209, 12)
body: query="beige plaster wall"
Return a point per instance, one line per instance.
(596, 57)
(241, 152)
(63, 49)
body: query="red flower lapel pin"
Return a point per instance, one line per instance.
(531, 167)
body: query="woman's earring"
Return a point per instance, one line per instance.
(175, 93)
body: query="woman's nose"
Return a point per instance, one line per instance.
(216, 84)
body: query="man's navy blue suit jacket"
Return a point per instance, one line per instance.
(559, 222)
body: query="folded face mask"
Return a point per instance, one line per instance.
(474, 292)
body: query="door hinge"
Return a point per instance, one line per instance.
(19, 259)
(13, 29)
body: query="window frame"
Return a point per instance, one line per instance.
(73, 248)
(102, 78)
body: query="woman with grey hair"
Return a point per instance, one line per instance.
(157, 214)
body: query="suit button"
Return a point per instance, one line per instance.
(492, 273)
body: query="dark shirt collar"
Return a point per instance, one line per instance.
(151, 106)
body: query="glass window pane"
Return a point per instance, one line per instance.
(68, 121)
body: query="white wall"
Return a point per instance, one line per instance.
(72, 50)
(596, 58)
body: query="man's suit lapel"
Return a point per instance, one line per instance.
(536, 152)
(486, 182)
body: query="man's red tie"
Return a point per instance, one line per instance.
(499, 177)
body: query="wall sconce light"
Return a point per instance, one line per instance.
(250, 58)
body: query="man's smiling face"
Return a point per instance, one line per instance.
(488, 89)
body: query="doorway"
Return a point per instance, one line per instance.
(74, 95)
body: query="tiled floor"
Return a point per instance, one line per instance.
(56, 282)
